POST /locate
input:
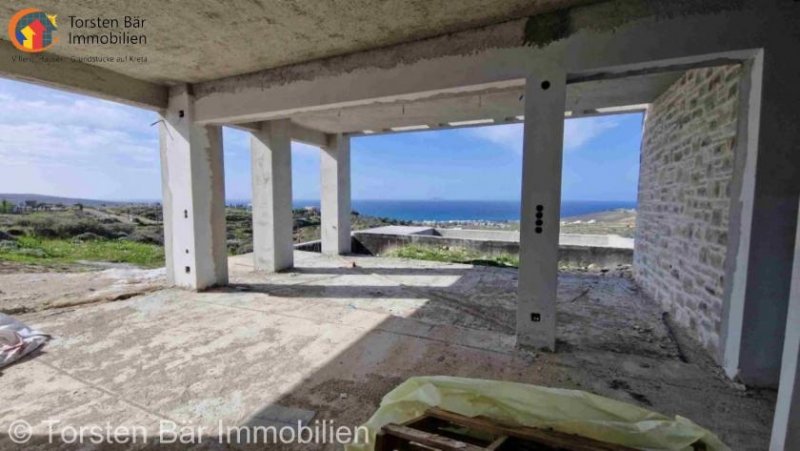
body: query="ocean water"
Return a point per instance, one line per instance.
(457, 210)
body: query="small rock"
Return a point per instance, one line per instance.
(342, 395)
(740, 387)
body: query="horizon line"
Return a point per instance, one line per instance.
(154, 200)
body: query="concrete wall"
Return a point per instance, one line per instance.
(685, 177)
(573, 250)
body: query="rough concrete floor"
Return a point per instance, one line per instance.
(334, 339)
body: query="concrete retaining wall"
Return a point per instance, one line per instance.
(684, 198)
(574, 250)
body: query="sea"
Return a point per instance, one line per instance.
(461, 210)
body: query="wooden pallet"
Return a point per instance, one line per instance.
(446, 431)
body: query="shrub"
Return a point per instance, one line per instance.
(68, 229)
(32, 252)
(87, 236)
(233, 245)
(151, 235)
(6, 246)
(119, 230)
(16, 232)
(58, 227)
(44, 230)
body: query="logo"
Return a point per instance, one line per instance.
(31, 30)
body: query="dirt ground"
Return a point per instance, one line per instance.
(31, 291)
(337, 333)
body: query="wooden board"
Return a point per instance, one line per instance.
(446, 431)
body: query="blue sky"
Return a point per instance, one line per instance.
(69, 145)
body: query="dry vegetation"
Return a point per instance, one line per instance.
(58, 236)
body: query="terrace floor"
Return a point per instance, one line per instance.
(337, 333)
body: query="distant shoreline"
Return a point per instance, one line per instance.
(468, 211)
(418, 211)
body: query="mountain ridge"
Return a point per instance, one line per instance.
(16, 198)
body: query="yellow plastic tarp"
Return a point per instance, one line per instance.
(569, 411)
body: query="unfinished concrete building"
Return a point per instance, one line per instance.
(716, 243)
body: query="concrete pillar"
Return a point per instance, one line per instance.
(193, 190)
(335, 195)
(545, 94)
(765, 194)
(271, 152)
(786, 424)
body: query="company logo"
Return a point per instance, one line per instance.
(31, 30)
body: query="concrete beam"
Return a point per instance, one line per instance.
(80, 78)
(335, 195)
(298, 133)
(271, 153)
(309, 136)
(500, 106)
(653, 37)
(629, 109)
(786, 423)
(545, 94)
(193, 189)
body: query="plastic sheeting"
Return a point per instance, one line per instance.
(17, 340)
(569, 411)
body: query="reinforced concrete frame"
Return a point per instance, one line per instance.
(760, 320)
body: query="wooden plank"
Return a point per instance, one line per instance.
(427, 439)
(546, 437)
(497, 443)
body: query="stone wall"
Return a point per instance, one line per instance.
(684, 198)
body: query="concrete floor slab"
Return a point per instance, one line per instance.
(332, 338)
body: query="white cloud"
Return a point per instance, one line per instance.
(508, 136)
(42, 127)
(577, 132)
(68, 144)
(49, 144)
(89, 113)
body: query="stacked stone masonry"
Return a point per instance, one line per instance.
(685, 176)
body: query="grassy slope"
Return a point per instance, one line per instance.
(453, 255)
(33, 250)
(124, 234)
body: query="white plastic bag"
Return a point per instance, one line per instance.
(17, 340)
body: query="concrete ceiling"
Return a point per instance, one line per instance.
(498, 106)
(208, 39)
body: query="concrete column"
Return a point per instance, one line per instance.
(271, 152)
(545, 94)
(335, 195)
(193, 190)
(786, 424)
(765, 193)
